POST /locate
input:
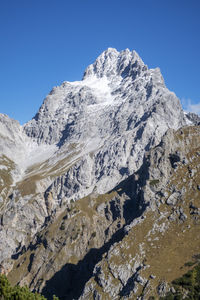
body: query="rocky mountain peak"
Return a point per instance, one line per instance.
(116, 84)
(113, 63)
(87, 136)
(83, 202)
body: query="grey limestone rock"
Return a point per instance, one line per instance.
(87, 135)
(173, 198)
(163, 289)
(194, 118)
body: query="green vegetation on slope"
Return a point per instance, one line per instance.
(186, 287)
(7, 292)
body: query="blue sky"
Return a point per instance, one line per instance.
(45, 42)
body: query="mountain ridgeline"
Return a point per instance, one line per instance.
(99, 192)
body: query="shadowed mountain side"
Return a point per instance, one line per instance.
(69, 282)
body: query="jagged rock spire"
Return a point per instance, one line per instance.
(113, 63)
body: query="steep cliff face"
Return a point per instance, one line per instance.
(157, 246)
(61, 257)
(88, 138)
(104, 123)
(118, 89)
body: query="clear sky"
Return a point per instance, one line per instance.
(45, 42)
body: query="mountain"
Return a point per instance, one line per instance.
(68, 188)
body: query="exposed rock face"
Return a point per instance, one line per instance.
(194, 118)
(87, 138)
(71, 243)
(166, 236)
(109, 119)
(128, 243)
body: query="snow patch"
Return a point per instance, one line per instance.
(37, 153)
(100, 87)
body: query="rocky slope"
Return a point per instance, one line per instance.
(157, 245)
(67, 186)
(131, 242)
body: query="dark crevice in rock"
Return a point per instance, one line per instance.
(130, 284)
(18, 252)
(30, 262)
(67, 132)
(174, 158)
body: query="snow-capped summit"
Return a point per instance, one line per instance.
(116, 81)
(120, 108)
(87, 135)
